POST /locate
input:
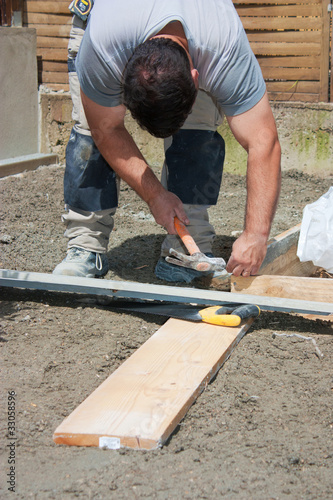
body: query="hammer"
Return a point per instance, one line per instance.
(196, 260)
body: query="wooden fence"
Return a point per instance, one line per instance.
(290, 38)
(52, 21)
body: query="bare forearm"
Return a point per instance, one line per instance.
(263, 189)
(124, 157)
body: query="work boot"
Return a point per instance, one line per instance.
(174, 273)
(80, 262)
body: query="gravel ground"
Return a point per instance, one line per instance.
(261, 430)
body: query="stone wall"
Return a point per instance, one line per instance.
(305, 131)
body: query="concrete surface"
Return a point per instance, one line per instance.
(19, 94)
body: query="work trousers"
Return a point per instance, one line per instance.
(192, 170)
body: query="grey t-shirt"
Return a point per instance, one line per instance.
(217, 43)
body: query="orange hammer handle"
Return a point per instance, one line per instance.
(186, 238)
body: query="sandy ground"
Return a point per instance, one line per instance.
(261, 430)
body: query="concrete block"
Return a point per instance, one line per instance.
(19, 92)
(12, 166)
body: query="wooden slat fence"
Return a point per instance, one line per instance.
(52, 21)
(290, 38)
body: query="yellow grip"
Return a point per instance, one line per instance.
(209, 315)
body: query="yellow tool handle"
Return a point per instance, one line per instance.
(212, 316)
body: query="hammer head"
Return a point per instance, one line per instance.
(198, 261)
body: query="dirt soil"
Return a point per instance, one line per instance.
(261, 430)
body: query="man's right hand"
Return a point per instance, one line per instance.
(165, 207)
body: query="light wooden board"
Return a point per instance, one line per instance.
(290, 62)
(316, 289)
(52, 42)
(281, 258)
(306, 10)
(32, 18)
(275, 23)
(285, 49)
(280, 11)
(56, 76)
(292, 96)
(301, 87)
(286, 36)
(143, 401)
(275, 2)
(283, 275)
(58, 7)
(292, 74)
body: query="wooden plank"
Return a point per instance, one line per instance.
(281, 257)
(54, 77)
(289, 62)
(285, 36)
(299, 87)
(52, 42)
(284, 23)
(285, 49)
(305, 10)
(47, 19)
(293, 97)
(143, 401)
(145, 291)
(58, 86)
(53, 66)
(52, 54)
(274, 2)
(331, 84)
(58, 7)
(325, 51)
(291, 73)
(317, 289)
(48, 30)
(315, 317)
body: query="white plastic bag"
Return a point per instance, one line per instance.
(316, 236)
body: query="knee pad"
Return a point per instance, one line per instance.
(89, 182)
(195, 165)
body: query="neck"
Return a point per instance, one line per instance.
(175, 32)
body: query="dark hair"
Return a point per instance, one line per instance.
(159, 89)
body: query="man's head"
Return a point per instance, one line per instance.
(159, 89)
